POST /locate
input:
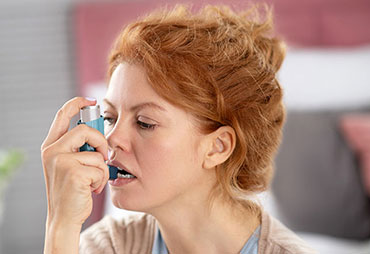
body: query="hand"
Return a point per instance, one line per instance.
(70, 175)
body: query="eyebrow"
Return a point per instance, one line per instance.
(138, 106)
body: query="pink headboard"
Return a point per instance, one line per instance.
(323, 23)
(304, 23)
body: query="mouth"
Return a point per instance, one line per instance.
(116, 170)
(121, 173)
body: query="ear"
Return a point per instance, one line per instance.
(220, 144)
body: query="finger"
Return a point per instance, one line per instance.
(96, 160)
(63, 117)
(78, 136)
(101, 187)
(92, 176)
(82, 169)
(93, 159)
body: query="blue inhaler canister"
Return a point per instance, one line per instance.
(90, 115)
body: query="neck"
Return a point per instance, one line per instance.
(191, 227)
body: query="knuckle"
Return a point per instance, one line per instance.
(76, 173)
(61, 112)
(76, 99)
(59, 159)
(64, 110)
(99, 156)
(75, 176)
(42, 147)
(45, 152)
(83, 127)
(71, 101)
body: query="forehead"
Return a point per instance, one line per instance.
(129, 86)
(130, 80)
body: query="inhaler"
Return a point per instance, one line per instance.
(90, 115)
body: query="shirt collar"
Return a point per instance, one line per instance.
(251, 246)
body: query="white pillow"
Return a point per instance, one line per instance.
(326, 78)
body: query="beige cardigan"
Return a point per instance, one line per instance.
(135, 235)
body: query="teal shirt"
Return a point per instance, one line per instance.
(250, 247)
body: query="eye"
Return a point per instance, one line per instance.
(145, 126)
(109, 120)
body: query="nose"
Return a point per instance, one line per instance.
(111, 154)
(118, 139)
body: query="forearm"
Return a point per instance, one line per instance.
(61, 238)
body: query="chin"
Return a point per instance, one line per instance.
(135, 202)
(128, 202)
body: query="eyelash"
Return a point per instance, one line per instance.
(142, 125)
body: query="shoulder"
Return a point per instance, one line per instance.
(276, 238)
(131, 234)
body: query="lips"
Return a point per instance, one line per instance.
(121, 168)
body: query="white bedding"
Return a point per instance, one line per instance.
(326, 78)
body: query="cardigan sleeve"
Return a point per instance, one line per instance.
(133, 234)
(278, 239)
(97, 239)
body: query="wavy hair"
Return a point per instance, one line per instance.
(220, 66)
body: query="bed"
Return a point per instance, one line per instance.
(319, 34)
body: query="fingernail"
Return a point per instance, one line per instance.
(90, 98)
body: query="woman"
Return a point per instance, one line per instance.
(194, 116)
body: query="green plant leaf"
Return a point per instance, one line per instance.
(9, 161)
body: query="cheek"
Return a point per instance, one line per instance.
(169, 158)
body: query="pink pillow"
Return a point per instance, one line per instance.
(356, 129)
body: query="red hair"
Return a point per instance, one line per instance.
(221, 67)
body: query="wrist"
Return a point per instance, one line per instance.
(61, 237)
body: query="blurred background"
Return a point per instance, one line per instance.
(51, 51)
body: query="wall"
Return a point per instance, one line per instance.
(36, 78)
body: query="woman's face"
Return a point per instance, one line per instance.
(155, 141)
